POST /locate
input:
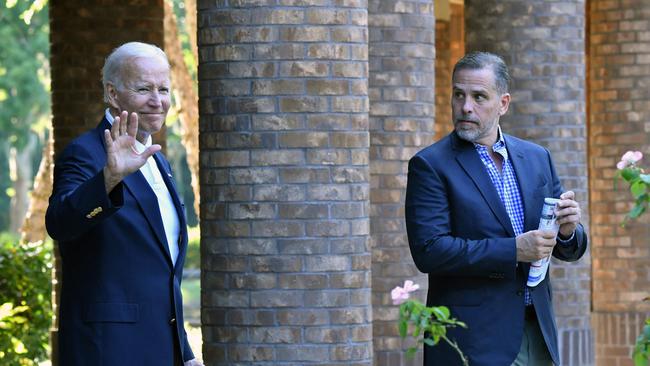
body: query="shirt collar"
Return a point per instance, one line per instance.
(139, 147)
(109, 116)
(499, 145)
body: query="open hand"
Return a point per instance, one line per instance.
(122, 158)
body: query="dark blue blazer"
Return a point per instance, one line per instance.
(460, 235)
(120, 299)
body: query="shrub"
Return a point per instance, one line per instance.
(193, 258)
(25, 301)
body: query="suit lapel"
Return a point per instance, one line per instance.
(471, 163)
(145, 197)
(148, 203)
(527, 183)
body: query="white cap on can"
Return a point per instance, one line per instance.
(551, 200)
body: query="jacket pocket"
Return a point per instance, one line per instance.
(111, 312)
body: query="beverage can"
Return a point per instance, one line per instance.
(538, 269)
(547, 220)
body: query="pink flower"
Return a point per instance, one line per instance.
(400, 294)
(629, 158)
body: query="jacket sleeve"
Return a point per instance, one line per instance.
(433, 247)
(187, 350)
(79, 200)
(576, 247)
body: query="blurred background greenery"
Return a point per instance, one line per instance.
(25, 122)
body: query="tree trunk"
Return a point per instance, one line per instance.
(33, 229)
(188, 107)
(20, 172)
(190, 24)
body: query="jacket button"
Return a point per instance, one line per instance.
(172, 321)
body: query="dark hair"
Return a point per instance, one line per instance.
(481, 60)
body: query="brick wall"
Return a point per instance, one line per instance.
(402, 107)
(614, 333)
(543, 44)
(284, 183)
(82, 34)
(619, 59)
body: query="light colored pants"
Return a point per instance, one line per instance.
(533, 350)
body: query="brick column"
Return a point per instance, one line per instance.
(79, 45)
(284, 184)
(82, 34)
(543, 44)
(619, 111)
(450, 47)
(401, 123)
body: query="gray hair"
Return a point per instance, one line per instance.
(481, 60)
(111, 73)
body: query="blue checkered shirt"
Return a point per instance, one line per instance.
(505, 182)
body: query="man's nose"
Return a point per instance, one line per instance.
(155, 98)
(468, 106)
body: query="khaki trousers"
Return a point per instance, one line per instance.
(533, 350)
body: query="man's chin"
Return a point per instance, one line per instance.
(467, 135)
(152, 125)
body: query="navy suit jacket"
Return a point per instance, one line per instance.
(120, 299)
(460, 235)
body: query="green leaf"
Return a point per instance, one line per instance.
(630, 174)
(403, 328)
(19, 347)
(411, 352)
(638, 188)
(636, 211)
(441, 312)
(429, 342)
(639, 358)
(5, 310)
(416, 331)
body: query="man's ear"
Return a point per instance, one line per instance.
(111, 93)
(505, 103)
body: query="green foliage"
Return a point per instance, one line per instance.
(176, 153)
(429, 325)
(634, 175)
(25, 294)
(24, 85)
(641, 352)
(24, 69)
(5, 186)
(193, 258)
(638, 182)
(177, 158)
(188, 57)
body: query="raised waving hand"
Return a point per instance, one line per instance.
(122, 158)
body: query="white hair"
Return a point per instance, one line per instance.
(112, 71)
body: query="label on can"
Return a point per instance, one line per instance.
(547, 220)
(538, 269)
